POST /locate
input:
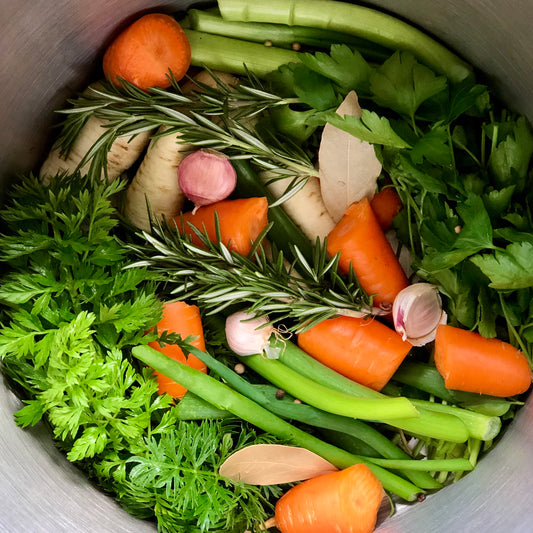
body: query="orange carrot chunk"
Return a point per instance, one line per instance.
(472, 363)
(365, 351)
(184, 319)
(346, 501)
(386, 204)
(361, 241)
(146, 50)
(240, 221)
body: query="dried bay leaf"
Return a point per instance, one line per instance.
(348, 167)
(273, 464)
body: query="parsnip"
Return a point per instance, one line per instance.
(306, 207)
(124, 150)
(155, 185)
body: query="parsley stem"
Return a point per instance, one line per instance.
(224, 397)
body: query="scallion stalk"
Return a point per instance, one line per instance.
(438, 425)
(265, 395)
(223, 397)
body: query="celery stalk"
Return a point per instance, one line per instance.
(236, 56)
(282, 35)
(364, 22)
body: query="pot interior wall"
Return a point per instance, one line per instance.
(49, 51)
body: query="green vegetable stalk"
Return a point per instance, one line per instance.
(352, 19)
(223, 397)
(448, 422)
(281, 35)
(265, 395)
(236, 56)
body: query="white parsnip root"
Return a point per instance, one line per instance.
(306, 207)
(155, 185)
(124, 152)
(122, 155)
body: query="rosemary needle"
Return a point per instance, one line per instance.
(305, 293)
(220, 117)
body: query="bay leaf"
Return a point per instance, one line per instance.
(273, 464)
(348, 167)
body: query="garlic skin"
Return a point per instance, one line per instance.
(249, 335)
(206, 176)
(416, 312)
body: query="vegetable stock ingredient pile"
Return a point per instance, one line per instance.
(118, 297)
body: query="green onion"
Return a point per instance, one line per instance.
(265, 395)
(223, 397)
(436, 425)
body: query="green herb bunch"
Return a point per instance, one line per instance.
(71, 314)
(461, 163)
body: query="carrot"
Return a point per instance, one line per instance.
(240, 222)
(472, 363)
(386, 204)
(179, 317)
(363, 350)
(146, 51)
(346, 501)
(362, 243)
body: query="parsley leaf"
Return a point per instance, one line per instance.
(371, 127)
(433, 146)
(458, 243)
(346, 67)
(509, 160)
(403, 84)
(509, 269)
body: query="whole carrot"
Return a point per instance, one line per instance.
(240, 222)
(184, 319)
(363, 350)
(361, 242)
(472, 363)
(386, 204)
(147, 51)
(346, 501)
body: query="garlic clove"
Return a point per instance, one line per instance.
(416, 312)
(249, 335)
(206, 176)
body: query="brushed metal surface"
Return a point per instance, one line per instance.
(48, 51)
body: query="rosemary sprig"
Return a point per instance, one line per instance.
(216, 278)
(221, 117)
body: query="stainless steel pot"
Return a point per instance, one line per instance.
(48, 51)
